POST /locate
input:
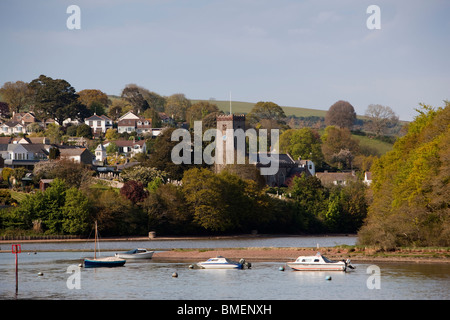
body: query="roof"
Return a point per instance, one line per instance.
(95, 118)
(331, 177)
(71, 152)
(128, 143)
(284, 159)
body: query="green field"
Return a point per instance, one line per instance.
(246, 107)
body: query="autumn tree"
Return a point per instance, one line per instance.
(95, 100)
(341, 114)
(17, 95)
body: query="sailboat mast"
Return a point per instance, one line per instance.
(95, 241)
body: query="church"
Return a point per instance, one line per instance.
(287, 166)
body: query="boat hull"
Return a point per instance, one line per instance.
(219, 265)
(147, 255)
(316, 267)
(110, 262)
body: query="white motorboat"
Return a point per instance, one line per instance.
(138, 253)
(223, 263)
(319, 263)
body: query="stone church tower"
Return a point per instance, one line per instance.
(224, 123)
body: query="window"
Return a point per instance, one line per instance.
(316, 260)
(99, 123)
(91, 123)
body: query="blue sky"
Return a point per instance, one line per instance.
(295, 53)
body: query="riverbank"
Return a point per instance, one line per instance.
(250, 252)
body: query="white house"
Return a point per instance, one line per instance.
(25, 155)
(131, 147)
(99, 123)
(100, 153)
(130, 122)
(13, 127)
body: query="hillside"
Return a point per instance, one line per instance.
(245, 107)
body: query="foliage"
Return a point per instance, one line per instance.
(334, 140)
(381, 118)
(176, 106)
(410, 186)
(341, 114)
(56, 99)
(134, 191)
(143, 174)
(304, 143)
(267, 115)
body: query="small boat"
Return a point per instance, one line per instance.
(319, 263)
(138, 253)
(109, 262)
(223, 263)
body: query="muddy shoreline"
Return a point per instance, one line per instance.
(281, 254)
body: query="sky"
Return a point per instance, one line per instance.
(296, 53)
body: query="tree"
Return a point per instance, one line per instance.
(268, 115)
(75, 212)
(200, 110)
(341, 114)
(4, 110)
(56, 99)
(305, 143)
(143, 174)
(334, 140)
(132, 94)
(134, 191)
(411, 186)
(16, 94)
(161, 158)
(95, 100)
(380, 118)
(54, 153)
(85, 131)
(176, 106)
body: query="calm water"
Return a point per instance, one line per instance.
(153, 280)
(309, 241)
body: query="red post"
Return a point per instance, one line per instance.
(16, 248)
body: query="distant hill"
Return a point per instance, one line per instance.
(245, 107)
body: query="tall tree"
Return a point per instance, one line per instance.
(341, 114)
(56, 99)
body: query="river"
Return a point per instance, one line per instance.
(55, 275)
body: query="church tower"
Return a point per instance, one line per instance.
(224, 123)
